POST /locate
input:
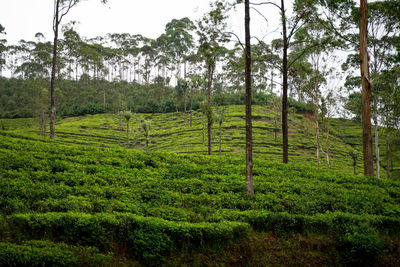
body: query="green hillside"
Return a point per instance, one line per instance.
(169, 133)
(66, 204)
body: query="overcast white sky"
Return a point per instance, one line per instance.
(24, 18)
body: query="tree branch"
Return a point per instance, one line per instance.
(266, 3)
(260, 14)
(237, 37)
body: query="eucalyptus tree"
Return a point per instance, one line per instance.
(313, 86)
(233, 69)
(262, 67)
(35, 58)
(180, 41)
(195, 80)
(181, 90)
(388, 83)
(194, 84)
(249, 127)
(330, 103)
(344, 18)
(302, 12)
(163, 59)
(61, 9)
(91, 58)
(212, 36)
(126, 49)
(72, 42)
(133, 52)
(383, 30)
(42, 99)
(313, 68)
(149, 53)
(3, 49)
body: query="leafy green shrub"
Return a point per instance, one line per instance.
(45, 253)
(300, 107)
(359, 246)
(58, 166)
(89, 108)
(147, 239)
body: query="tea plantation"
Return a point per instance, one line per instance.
(169, 133)
(83, 201)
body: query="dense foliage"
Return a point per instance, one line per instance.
(23, 98)
(153, 203)
(170, 133)
(83, 200)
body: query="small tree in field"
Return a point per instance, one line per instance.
(354, 155)
(127, 115)
(146, 127)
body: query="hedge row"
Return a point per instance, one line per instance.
(147, 239)
(328, 223)
(46, 253)
(358, 237)
(151, 240)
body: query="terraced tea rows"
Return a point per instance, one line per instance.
(169, 133)
(153, 205)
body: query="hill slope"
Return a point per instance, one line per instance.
(169, 133)
(152, 207)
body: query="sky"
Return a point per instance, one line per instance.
(22, 19)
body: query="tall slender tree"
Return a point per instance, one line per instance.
(249, 135)
(366, 91)
(3, 48)
(303, 11)
(61, 8)
(211, 30)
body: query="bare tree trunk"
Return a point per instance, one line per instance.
(191, 106)
(344, 134)
(316, 116)
(120, 128)
(41, 124)
(203, 130)
(127, 134)
(209, 119)
(387, 155)
(45, 127)
(249, 133)
(328, 164)
(284, 87)
(377, 147)
(220, 138)
(53, 71)
(366, 91)
(184, 108)
(104, 94)
(317, 139)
